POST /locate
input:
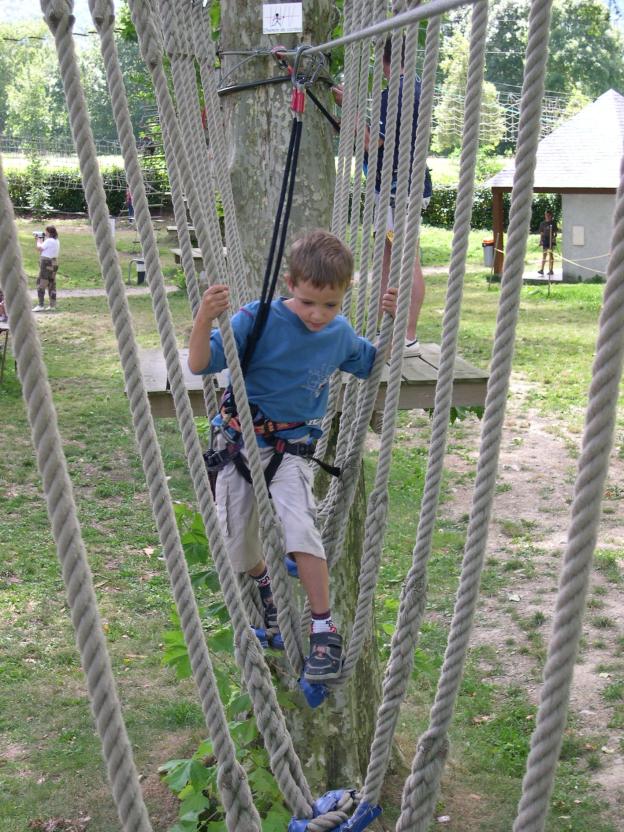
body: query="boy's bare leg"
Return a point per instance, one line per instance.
(417, 295)
(551, 260)
(325, 660)
(258, 569)
(314, 576)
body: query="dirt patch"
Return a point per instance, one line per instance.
(527, 538)
(162, 804)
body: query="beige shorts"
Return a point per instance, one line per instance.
(294, 503)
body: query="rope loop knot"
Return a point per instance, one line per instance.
(55, 11)
(102, 12)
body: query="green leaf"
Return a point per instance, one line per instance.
(199, 775)
(179, 774)
(263, 783)
(245, 732)
(196, 803)
(205, 749)
(222, 641)
(277, 820)
(239, 704)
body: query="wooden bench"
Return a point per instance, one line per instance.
(172, 231)
(417, 388)
(197, 257)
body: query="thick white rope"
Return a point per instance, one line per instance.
(70, 547)
(585, 516)
(270, 720)
(411, 609)
(401, 272)
(178, 50)
(270, 529)
(421, 787)
(341, 494)
(231, 775)
(203, 48)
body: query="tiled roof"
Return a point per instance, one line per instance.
(585, 152)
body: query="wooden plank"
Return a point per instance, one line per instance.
(197, 257)
(172, 230)
(417, 389)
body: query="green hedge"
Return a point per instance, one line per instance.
(65, 193)
(441, 209)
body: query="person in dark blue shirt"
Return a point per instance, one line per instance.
(304, 342)
(412, 346)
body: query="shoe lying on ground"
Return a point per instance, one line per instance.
(411, 348)
(325, 659)
(38, 308)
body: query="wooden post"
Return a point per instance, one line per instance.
(498, 230)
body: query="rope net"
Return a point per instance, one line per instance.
(179, 32)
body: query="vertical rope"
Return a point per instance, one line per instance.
(411, 609)
(377, 508)
(421, 786)
(270, 529)
(199, 21)
(585, 516)
(116, 748)
(283, 759)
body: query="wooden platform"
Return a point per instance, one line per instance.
(172, 230)
(197, 257)
(417, 389)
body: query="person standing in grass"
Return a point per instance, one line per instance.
(48, 247)
(548, 237)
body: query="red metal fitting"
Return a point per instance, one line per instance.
(297, 100)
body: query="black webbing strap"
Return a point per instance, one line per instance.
(278, 241)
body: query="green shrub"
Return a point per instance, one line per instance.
(441, 210)
(62, 188)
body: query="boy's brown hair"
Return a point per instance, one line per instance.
(320, 258)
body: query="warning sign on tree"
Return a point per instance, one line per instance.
(278, 18)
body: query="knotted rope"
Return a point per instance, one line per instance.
(412, 605)
(284, 761)
(270, 530)
(70, 547)
(585, 517)
(421, 787)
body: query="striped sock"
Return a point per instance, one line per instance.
(322, 623)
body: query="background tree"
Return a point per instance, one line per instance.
(449, 117)
(586, 52)
(35, 102)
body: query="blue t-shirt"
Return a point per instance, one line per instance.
(383, 115)
(289, 372)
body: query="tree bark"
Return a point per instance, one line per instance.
(258, 123)
(333, 742)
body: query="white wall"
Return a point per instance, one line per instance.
(587, 225)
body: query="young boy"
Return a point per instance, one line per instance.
(548, 238)
(304, 341)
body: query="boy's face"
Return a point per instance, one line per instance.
(315, 307)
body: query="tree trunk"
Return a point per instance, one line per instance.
(333, 742)
(258, 123)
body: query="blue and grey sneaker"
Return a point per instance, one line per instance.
(325, 659)
(272, 629)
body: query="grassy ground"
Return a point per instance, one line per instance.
(50, 763)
